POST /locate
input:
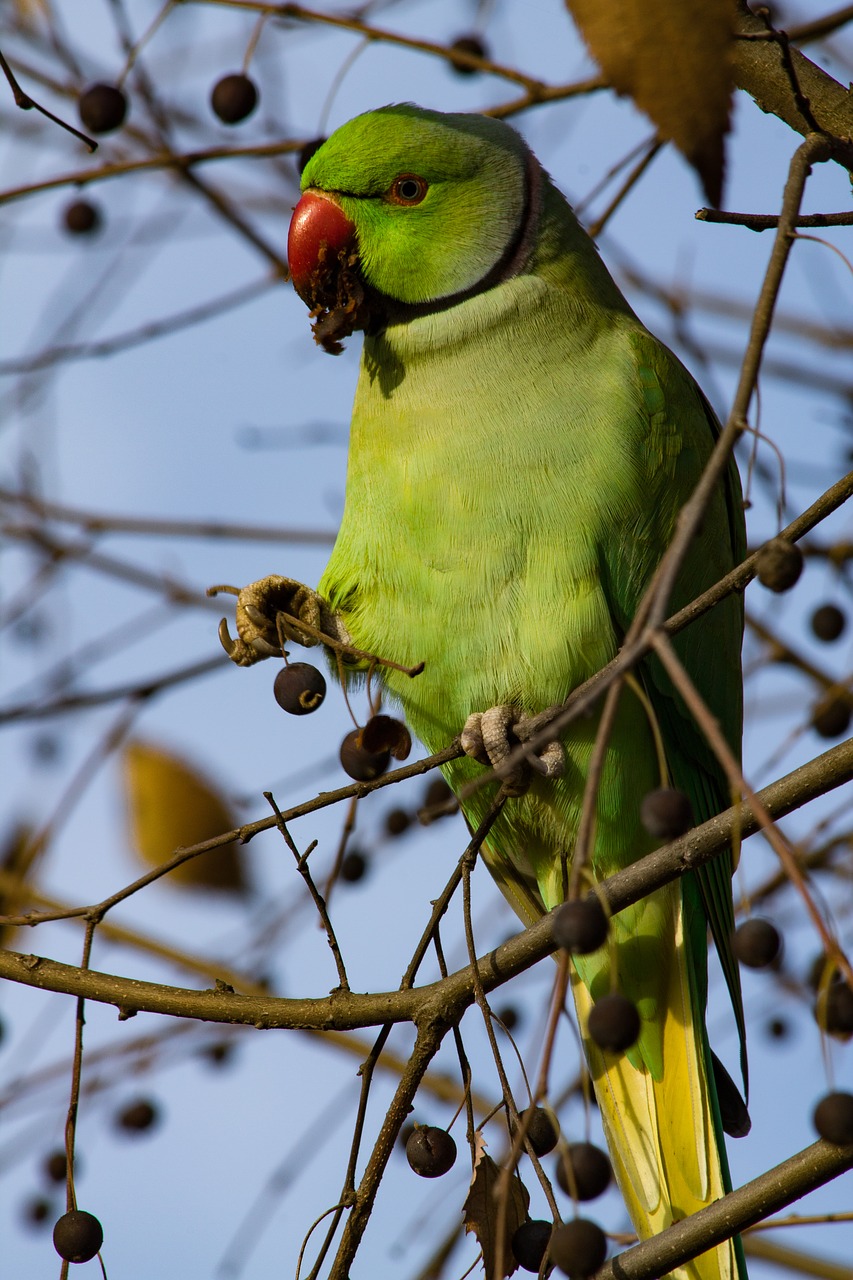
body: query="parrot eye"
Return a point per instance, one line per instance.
(408, 189)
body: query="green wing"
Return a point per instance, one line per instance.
(710, 647)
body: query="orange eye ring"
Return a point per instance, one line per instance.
(408, 189)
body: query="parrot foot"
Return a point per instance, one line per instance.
(490, 736)
(269, 612)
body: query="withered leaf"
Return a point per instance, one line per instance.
(481, 1211)
(170, 803)
(674, 60)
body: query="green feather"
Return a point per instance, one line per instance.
(520, 450)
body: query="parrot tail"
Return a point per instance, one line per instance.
(665, 1135)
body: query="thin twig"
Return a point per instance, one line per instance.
(780, 1186)
(26, 103)
(317, 897)
(113, 522)
(717, 741)
(351, 1010)
(769, 221)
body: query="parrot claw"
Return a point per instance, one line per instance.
(490, 736)
(266, 614)
(245, 655)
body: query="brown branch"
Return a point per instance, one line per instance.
(81, 552)
(100, 697)
(788, 1181)
(717, 742)
(448, 998)
(815, 148)
(555, 718)
(317, 898)
(65, 353)
(103, 522)
(430, 1035)
(631, 179)
(781, 651)
(26, 103)
(300, 13)
(759, 69)
(819, 28)
(151, 164)
(805, 1264)
(768, 221)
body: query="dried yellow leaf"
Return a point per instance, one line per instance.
(172, 805)
(674, 60)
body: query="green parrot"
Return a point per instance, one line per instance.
(521, 447)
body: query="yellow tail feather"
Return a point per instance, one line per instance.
(661, 1132)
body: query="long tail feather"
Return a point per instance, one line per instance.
(664, 1134)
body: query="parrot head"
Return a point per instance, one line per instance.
(404, 210)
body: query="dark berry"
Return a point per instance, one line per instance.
(81, 218)
(580, 926)
(137, 1116)
(530, 1242)
(102, 108)
(56, 1166)
(233, 98)
(354, 867)
(437, 792)
(757, 943)
(614, 1022)
(299, 688)
(578, 1248)
(472, 44)
(589, 1168)
(509, 1016)
(439, 802)
(779, 564)
(362, 765)
(385, 733)
(220, 1053)
(542, 1133)
(397, 821)
(831, 716)
(46, 748)
(833, 1118)
(834, 1009)
(666, 813)
(307, 151)
(37, 1210)
(77, 1236)
(430, 1151)
(828, 622)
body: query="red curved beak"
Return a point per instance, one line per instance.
(319, 229)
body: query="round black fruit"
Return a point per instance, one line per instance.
(578, 1248)
(666, 813)
(614, 1022)
(233, 98)
(102, 108)
(583, 1171)
(530, 1242)
(580, 926)
(430, 1151)
(77, 1236)
(833, 1118)
(299, 688)
(757, 943)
